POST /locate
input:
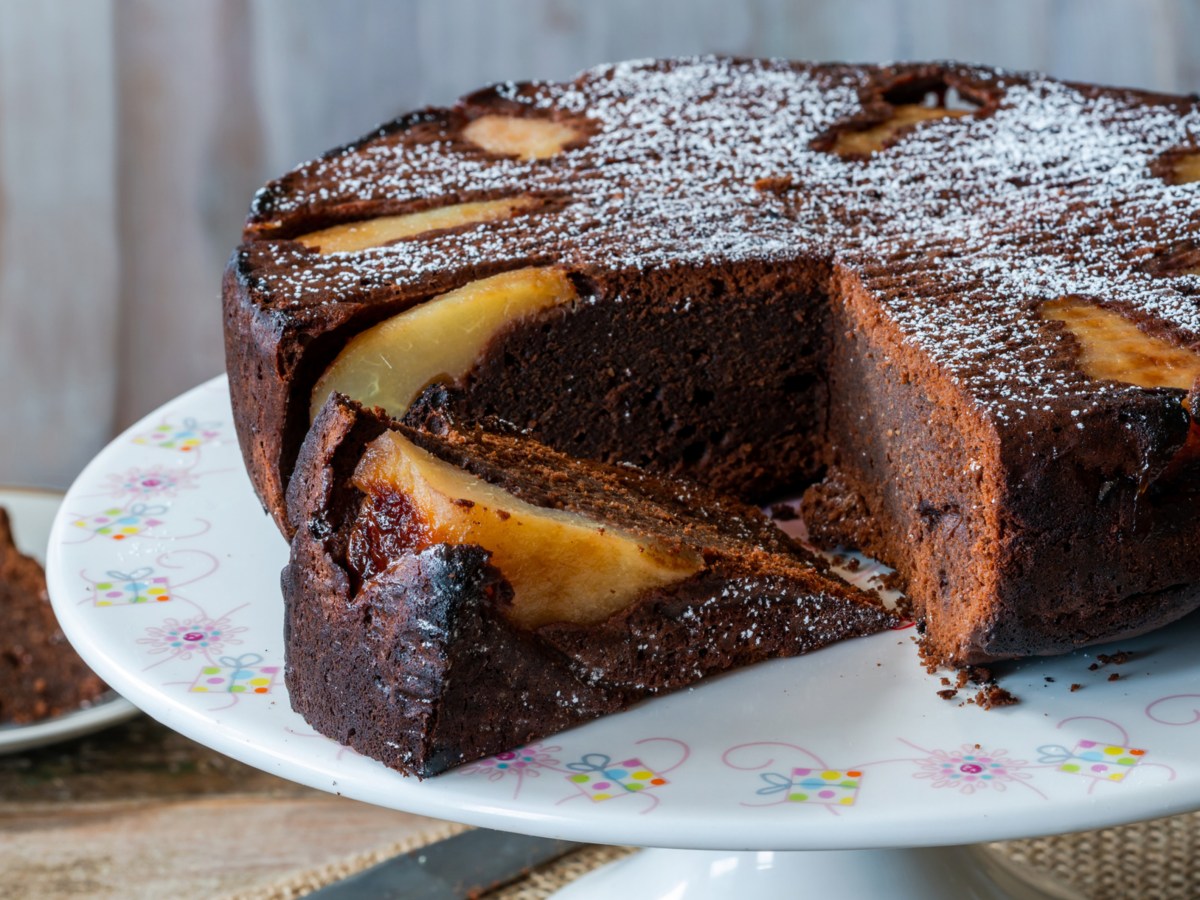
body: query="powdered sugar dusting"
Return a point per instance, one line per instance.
(1054, 193)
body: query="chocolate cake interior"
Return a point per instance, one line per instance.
(714, 374)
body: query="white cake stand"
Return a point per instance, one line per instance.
(165, 574)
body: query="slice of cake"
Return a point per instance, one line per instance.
(40, 674)
(453, 595)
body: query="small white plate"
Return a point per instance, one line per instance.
(165, 575)
(31, 513)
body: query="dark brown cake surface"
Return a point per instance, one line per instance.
(40, 674)
(411, 652)
(1030, 506)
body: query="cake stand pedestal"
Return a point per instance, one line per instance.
(164, 574)
(937, 873)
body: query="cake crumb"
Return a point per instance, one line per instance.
(993, 696)
(1075, 687)
(989, 695)
(1049, 679)
(1093, 667)
(776, 184)
(1117, 659)
(1115, 676)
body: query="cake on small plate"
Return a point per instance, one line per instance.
(40, 674)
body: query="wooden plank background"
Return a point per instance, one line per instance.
(133, 133)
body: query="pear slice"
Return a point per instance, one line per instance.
(563, 566)
(875, 138)
(1114, 349)
(1186, 169)
(351, 237)
(389, 364)
(520, 137)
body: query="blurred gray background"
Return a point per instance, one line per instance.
(134, 132)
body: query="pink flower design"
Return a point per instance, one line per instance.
(155, 481)
(199, 635)
(523, 762)
(971, 769)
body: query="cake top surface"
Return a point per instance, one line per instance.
(962, 226)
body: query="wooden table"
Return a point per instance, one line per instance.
(139, 811)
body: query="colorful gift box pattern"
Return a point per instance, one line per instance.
(832, 787)
(118, 524)
(601, 779)
(184, 438)
(129, 588)
(242, 675)
(1099, 760)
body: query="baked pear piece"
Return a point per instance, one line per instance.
(455, 591)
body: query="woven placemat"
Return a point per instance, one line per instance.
(1156, 860)
(298, 884)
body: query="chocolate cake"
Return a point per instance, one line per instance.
(452, 595)
(959, 304)
(40, 675)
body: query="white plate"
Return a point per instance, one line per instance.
(31, 513)
(165, 574)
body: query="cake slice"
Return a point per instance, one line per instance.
(454, 591)
(40, 674)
